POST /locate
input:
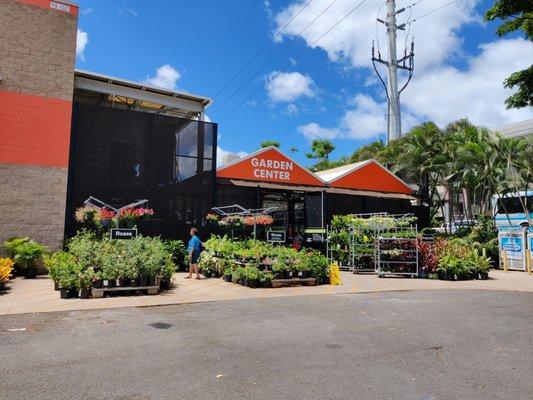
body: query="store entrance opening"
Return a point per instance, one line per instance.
(291, 215)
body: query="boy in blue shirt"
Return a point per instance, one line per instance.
(194, 249)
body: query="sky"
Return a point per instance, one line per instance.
(296, 70)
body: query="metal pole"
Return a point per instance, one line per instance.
(394, 98)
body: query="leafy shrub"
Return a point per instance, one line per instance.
(27, 254)
(12, 244)
(90, 258)
(178, 251)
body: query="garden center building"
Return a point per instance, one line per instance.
(268, 179)
(68, 134)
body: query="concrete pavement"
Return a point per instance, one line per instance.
(28, 296)
(416, 345)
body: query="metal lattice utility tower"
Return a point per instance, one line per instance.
(394, 121)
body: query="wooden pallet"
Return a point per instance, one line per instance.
(99, 293)
(277, 283)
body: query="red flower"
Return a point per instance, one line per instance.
(106, 214)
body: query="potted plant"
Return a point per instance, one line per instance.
(88, 215)
(6, 267)
(27, 255)
(69, 278)
(127, 217)
(251, 277)
(85, 280)
(11, 246)
(265, 279)
(227, 274)
(106, 217)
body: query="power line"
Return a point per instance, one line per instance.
(254, 57)
(296, 58)
(274, 57)
(432, 11)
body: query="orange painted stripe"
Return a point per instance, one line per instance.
(53, 5)
(34, 130)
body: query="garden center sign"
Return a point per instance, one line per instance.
(269, 165)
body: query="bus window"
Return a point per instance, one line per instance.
(512, 205)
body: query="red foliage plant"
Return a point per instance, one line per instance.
(427, 256)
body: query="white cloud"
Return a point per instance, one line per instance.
(288, 86)
(366, 120)
(224, 155)
(314, 131)
(438, 91)
(166, 77)
(352, 39)
(445, 94)
(82, 38)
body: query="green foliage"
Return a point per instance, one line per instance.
(12, 244)
(321, 149)
(28, 253)
(178, 250)
(222, 253)
(89, 257)
(268, 143)
(517, 15)
(461, 257)
(523, 81)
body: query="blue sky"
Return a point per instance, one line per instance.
(327, 90)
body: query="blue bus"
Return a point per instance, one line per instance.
(508, 210)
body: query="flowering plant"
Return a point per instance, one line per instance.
(232, 221)
(143, 213)
(259, 220)
(210, 217)
(107, 214)
(87, 213)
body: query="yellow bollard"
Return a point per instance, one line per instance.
(504, 259)
(528, 262)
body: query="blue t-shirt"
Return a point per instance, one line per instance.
(195, 244)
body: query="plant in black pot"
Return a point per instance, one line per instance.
(85, 280)
(69, 278)
(265, 279)
(55, 262)
(251, 276)
(237, 275)
(11, 246)
(479, 264)
(227, 274)
(27, 255)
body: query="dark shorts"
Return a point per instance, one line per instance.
(194, 257)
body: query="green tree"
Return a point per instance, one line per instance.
(268, 143)
(517, 15)
(366, 152)
(321, 149)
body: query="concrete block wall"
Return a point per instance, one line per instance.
(38, 49)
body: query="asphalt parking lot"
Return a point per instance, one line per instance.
(440, 344)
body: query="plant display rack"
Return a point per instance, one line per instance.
(338, 247)
(353, 244)
(363, 252)
(397, 252)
